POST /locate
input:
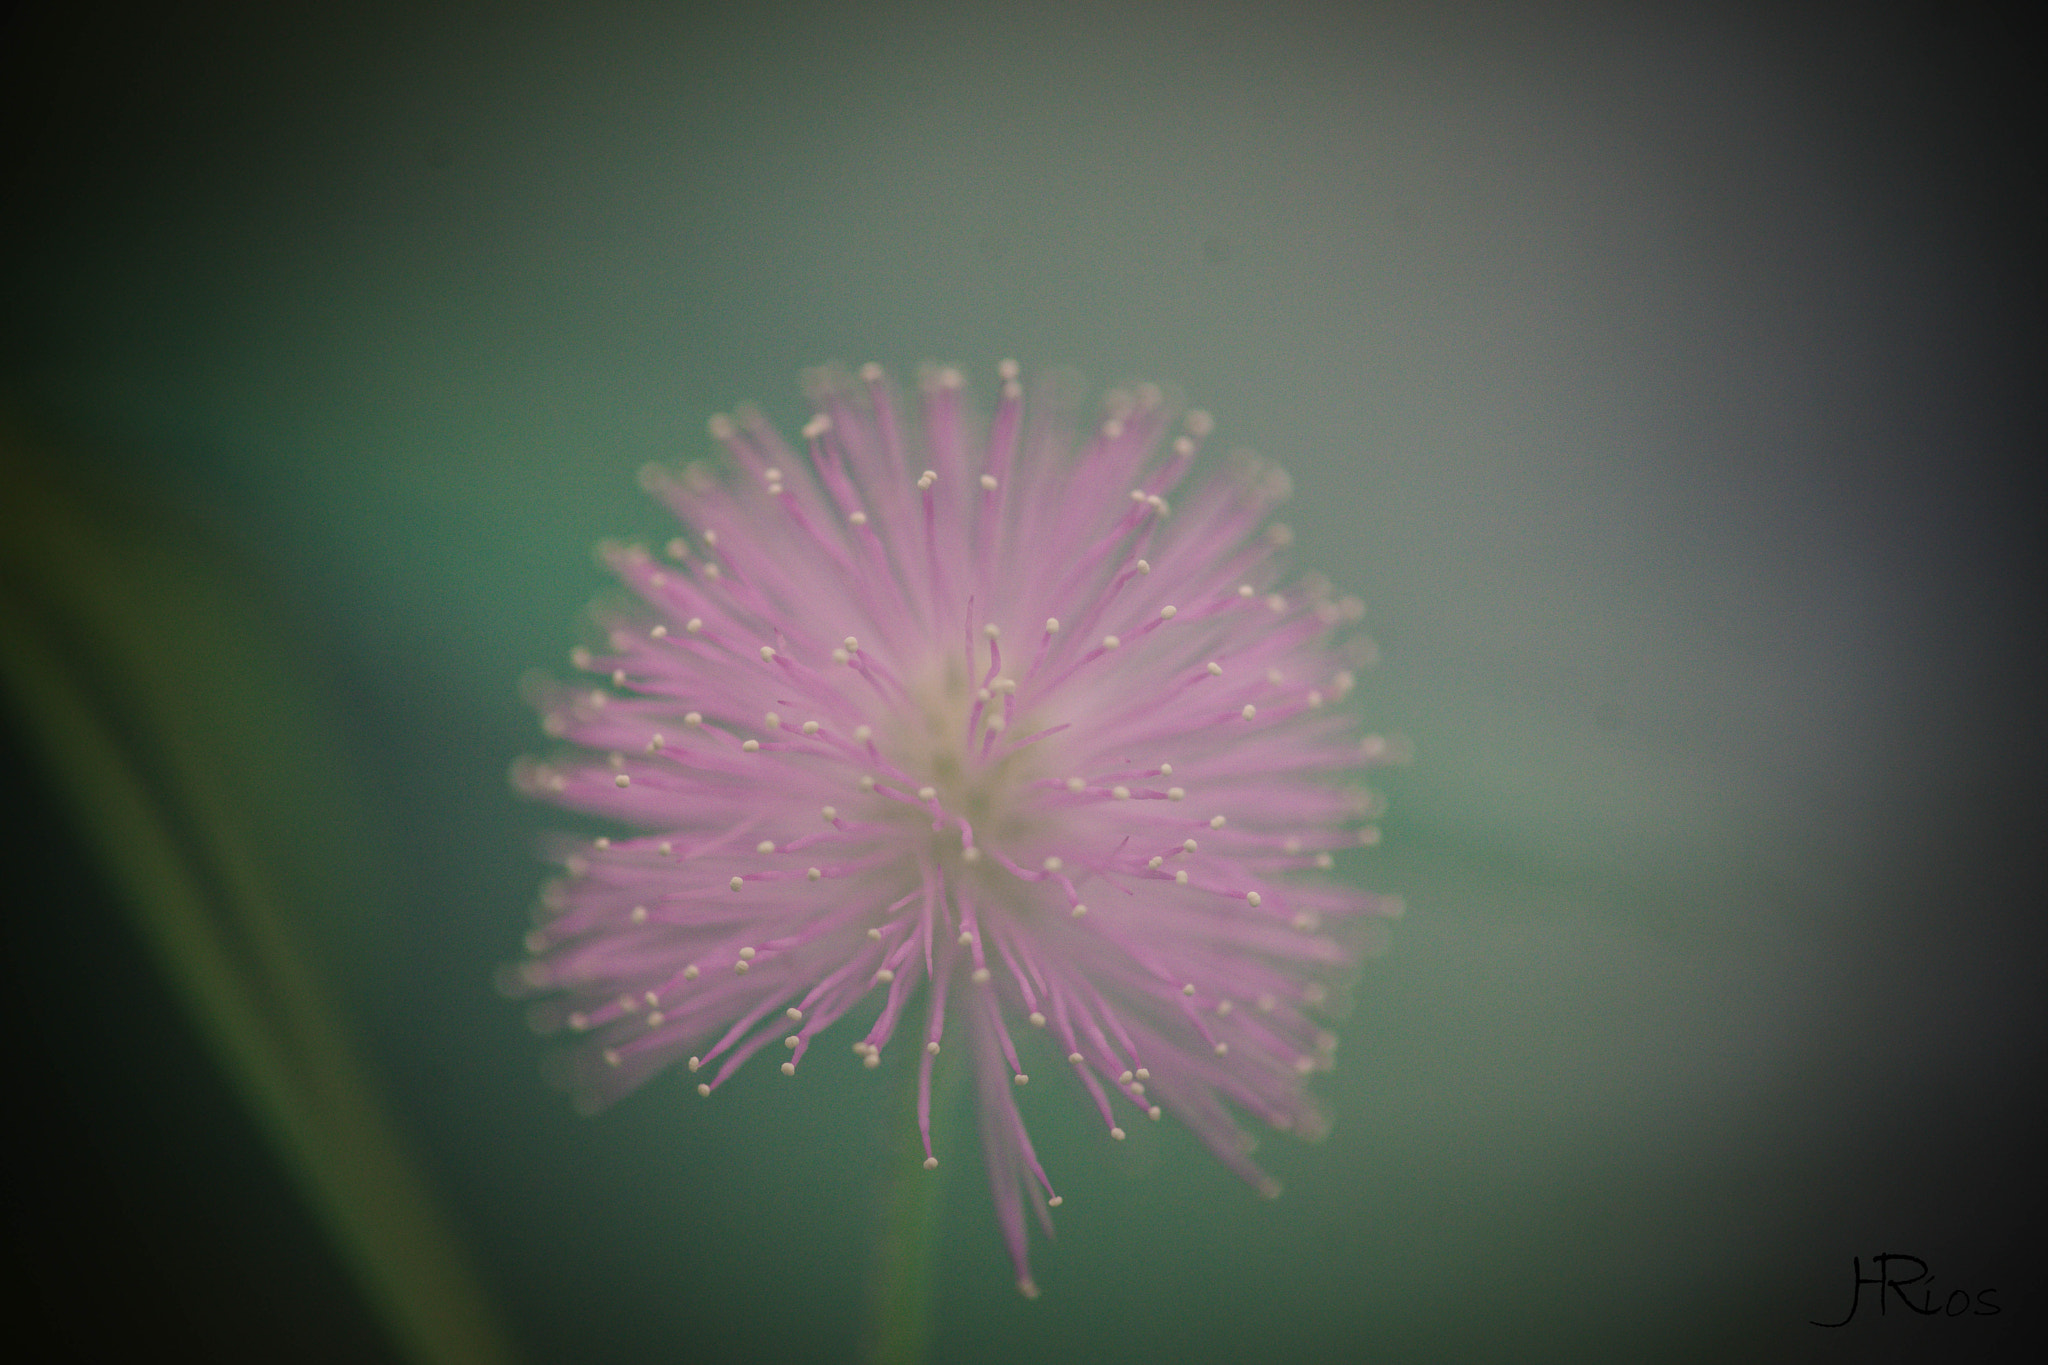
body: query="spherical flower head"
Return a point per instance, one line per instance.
(966, 727)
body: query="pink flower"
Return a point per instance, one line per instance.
(969, 723)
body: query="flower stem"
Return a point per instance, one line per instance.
(900, 1297)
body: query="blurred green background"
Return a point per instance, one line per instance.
(1664, 381)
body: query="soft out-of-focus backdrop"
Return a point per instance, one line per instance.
(1659, 377)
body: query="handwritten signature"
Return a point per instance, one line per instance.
(1889, 1266)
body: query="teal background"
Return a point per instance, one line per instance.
(1662, 381)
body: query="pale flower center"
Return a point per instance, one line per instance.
(954, 742)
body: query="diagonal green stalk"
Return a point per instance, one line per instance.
(150, 683)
